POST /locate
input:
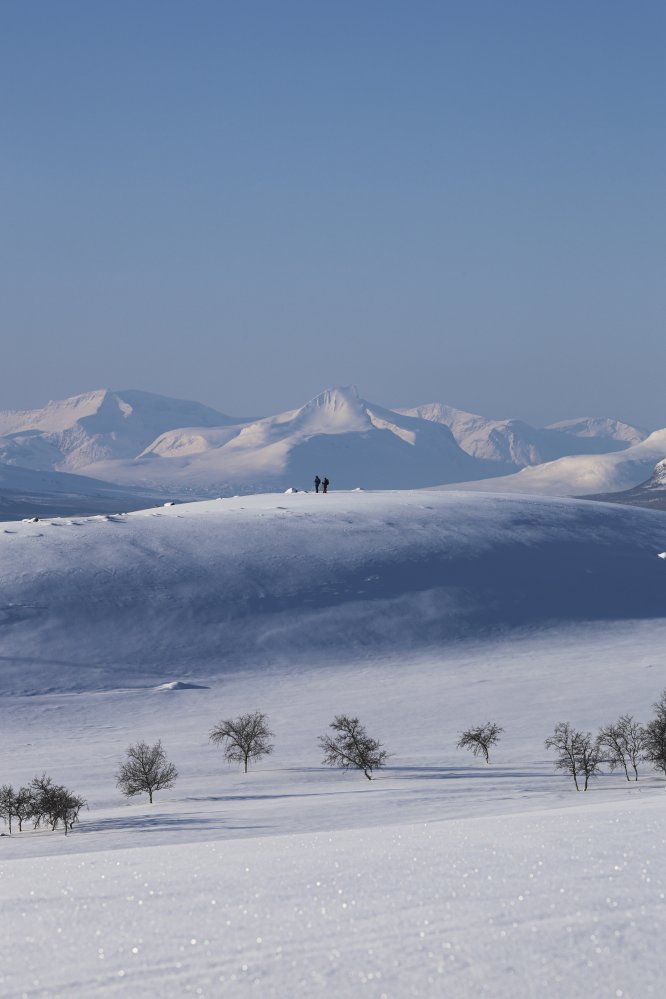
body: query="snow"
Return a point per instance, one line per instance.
(567, 904)
(26, 491)
(75, 432)
(258, 579)
(603, 427)
(337, 434)
(158, 445)
(516, 444)
(581, 475)
(420, 612)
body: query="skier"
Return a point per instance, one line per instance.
(325, 484)
(317, 483)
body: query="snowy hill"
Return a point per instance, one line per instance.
(650, 494)
(25, 492)
(582, 475)
(88, 428)
(338, 434)
(515, 442)
(421, 612)
(270, 578)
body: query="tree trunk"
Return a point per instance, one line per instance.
(150, 795)
(367, 774)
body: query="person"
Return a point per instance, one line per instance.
(325, 484)
(317, 483)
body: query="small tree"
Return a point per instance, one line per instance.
(53, 803)
(655, 736)
(351, 747)
(480, 739)
(145, 771)
(24, 805)
(623, 744)
(579, 755)
(8, 804)
(244, 738)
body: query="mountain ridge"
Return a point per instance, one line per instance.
(158, 445)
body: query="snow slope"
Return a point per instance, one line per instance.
(582, 475)
(517, 443)
(25, 492)
(271, 578)
(650, 494)
(421, 612)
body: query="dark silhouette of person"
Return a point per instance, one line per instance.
(325, 484)
(317, 483)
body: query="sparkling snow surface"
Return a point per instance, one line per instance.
(443, 876)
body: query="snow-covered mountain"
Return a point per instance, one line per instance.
(515, 442)
(157, 445)
(85, 429)
(584, 475)
(650, 494)
(337, 434)
(601, 428)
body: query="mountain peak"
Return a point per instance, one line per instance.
(337, 398)
(336, 410)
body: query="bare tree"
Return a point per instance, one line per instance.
(24, 805)
(351, 747)
(8, 804)
(53, 803)
(145, 771)
(480, 739)
(578, 754)
(623, 744)
(655, 735)
(244, 738)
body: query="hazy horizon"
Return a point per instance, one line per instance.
(246, 204)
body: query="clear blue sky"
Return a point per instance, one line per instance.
(244, 203)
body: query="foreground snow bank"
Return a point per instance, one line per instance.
(560, 903)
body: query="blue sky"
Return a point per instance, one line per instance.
(245, 203)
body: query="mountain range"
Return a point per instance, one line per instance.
(152, 445)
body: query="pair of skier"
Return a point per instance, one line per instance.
(324, 483)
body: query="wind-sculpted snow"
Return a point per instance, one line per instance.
(259, 580)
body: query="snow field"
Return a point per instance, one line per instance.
(443, 876)
(568, 903)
